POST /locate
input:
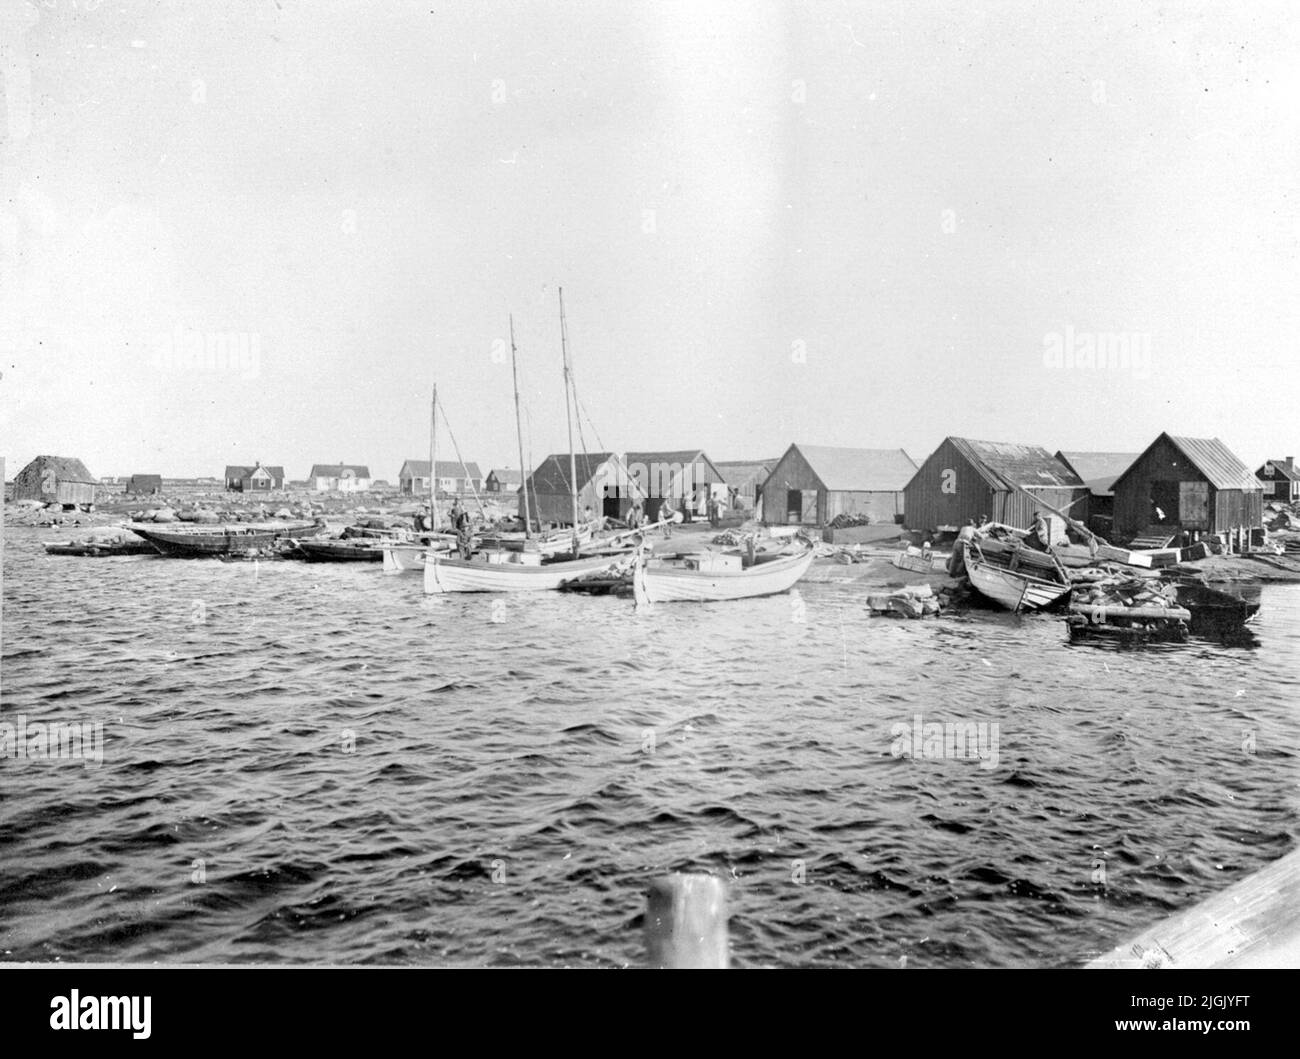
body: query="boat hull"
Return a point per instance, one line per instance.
(338, 552)
(198, 545)
(469, 575)
(1013, 589)
(675, 585)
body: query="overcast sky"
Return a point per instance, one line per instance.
(868, 224)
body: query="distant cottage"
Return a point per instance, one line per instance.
(255, 479)
(453, 477)
(503, 480)
(55, 480)
(812, 484)
(964, 479)
(339, 477)
(1281, 480)
(143, 484)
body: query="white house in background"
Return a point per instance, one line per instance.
(339, 477)
(454, 477)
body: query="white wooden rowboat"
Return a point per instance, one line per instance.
(1015, 578)
(443, 574)
(713, 577)
(402, 558)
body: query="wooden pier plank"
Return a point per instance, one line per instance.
(1253, 923)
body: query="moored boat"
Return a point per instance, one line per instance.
(711, 576)
(100, 548)
(1013, 575)
(208, 543)
(355, 550)
(502, 572)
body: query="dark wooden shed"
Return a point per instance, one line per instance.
(55, 479)
(145, 483)
(964, 479)
(1182, 483)
(812, 484)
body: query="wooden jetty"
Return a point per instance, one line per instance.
(1253, 923)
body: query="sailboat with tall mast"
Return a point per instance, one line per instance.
(526, 569)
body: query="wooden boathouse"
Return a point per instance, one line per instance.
(1182, 483)
(685, 476)
(599, 477)
(145, 484)
(811, 484)
(1098, 471)
(745, 480)
(55, 480)
(964, 479)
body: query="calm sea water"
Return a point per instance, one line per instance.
(318, 764)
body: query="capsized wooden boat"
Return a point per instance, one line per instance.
(711, 576)
(207, 542)
(503, 572)
(1015, 576)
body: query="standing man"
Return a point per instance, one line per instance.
(461, 524)
(1040, 534)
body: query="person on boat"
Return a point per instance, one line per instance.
(635, 515)
(1040, 533)
(957, 560)
(666, 514)
(460, 522)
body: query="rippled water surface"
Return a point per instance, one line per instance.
(317, 764)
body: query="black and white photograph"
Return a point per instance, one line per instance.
(772, 484)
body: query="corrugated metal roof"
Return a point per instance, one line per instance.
(1099, 469)
(1025, 465)
(859, 470)
(1217, 462)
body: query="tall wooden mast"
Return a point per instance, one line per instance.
(568, 415)
(519, 433)
(433, 459)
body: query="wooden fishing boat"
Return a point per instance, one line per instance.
(712, 576)
(550, 544)
(356, 550)
(99, 549)
(207, 543)
(1215, 612)
(504, 572)
(1015, 576)
(407, 557)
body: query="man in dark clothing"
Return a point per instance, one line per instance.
(464, 533)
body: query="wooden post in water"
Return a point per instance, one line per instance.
(686, 922)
